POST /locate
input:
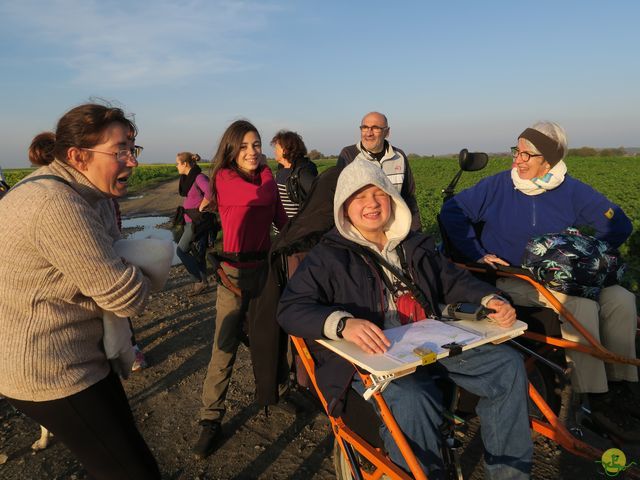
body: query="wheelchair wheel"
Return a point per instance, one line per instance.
(451, 450)
(340, 463)
(548, 385)
(451, 458)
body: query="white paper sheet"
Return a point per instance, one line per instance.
(429, 334)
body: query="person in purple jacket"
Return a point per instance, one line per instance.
(194, 186)
(535, 197)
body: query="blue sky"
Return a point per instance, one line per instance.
(447, 74)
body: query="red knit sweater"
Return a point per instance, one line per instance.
(247, 211)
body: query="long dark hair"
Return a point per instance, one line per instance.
(228, 150)
(82, 127)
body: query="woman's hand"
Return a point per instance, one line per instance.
(493, 260)
(366, 335)
(505, 314)
(203, 205)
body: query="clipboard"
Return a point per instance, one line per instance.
(384, 368)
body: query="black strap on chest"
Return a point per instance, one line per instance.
(403, 276)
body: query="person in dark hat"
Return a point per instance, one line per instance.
(536, 197)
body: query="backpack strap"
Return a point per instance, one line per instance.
(44, 177)
(404, 278)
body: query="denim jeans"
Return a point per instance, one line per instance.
(493, 372)
(196, 266)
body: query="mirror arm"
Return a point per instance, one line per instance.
(448, 192)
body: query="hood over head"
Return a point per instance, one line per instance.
(361, 173)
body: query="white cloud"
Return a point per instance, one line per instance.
(123, 44)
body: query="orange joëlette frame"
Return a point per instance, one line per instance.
(382, 464)
(551, 428)
(595, 348)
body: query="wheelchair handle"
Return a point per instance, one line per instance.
(554, 366)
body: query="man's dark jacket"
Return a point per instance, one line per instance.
(333, 277)
(400, 162)
(268, 342)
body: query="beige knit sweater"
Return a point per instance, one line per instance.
(58, 271)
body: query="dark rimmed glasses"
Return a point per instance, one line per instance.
(526, 156)
(121, 155)
(373, 128)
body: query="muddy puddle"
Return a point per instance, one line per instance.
(145, 227)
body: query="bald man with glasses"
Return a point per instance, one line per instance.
(373, 146)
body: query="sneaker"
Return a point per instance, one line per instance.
(206, 443)
(198, 288)
(139, 361)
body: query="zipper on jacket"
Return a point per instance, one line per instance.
(380, 286)
(533, 203)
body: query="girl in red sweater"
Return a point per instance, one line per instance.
(246, 197)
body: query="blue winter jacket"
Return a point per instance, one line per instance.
(511, 218)
(334, 278)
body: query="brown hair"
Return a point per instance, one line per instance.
(292, 144)
(188, 157)
(81, 127)
(228, 150)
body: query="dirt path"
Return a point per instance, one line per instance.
(159, 200)
(176, 333)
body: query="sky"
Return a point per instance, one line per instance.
(448, 75)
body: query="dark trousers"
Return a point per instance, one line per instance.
(196, 264)
(97, 425)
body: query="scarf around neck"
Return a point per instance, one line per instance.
(186, 181)
(537, 185)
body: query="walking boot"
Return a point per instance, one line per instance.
(206, 443)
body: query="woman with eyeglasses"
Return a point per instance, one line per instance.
(62, 273)
(245, 195)
(537, 196)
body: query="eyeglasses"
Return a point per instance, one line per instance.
(526, 156)
(373, 128)
(121, 155)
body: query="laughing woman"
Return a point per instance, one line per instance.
(246, 197)
(62, 273)
(535, 197)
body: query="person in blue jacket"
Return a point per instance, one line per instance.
(338, 293)
(535, 197)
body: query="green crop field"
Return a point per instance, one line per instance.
(617, 178)
(144, 176)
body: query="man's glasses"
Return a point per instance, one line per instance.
(121, 155)
(526, 156)
(373, 128)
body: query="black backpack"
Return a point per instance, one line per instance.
(295, 188)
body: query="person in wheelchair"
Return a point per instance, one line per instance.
(338, 293)
(537, 196)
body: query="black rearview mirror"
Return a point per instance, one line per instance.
(472, 161)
